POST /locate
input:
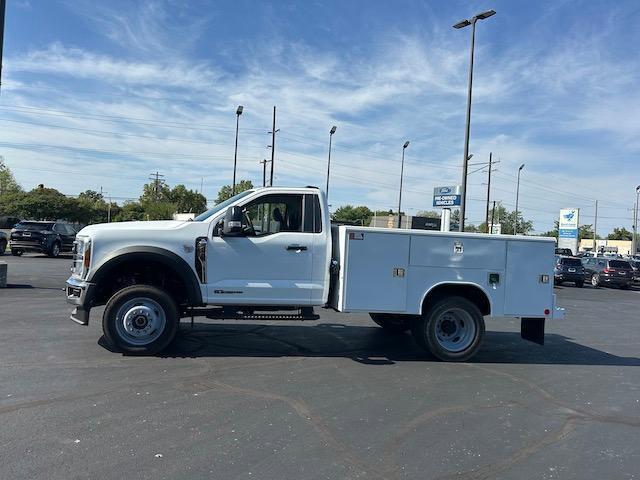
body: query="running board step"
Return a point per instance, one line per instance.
(305, 313)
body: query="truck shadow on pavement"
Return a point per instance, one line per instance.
(371, 345)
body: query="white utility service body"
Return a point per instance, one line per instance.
(408, 264)
(274, 249)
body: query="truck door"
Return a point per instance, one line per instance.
(271, 264)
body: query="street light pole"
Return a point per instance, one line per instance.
(235, 154)
(331, 132)
(465, 158)
(635, 223)
(404, 147)
(515, 226)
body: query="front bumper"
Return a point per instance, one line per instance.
(79, 293)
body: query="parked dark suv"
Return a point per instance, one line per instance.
(51, 238)
(568, 269)
(3, 242)
(608, 271)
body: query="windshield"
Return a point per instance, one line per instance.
(221, 206)
(34, 226)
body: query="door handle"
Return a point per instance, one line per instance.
(296, 247)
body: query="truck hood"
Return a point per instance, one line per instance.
(131, 226)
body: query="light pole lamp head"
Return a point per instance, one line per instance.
(462, 24)
(406, 144)
(470, 157)
(239, 110)
(521, 167)
(333, 130)
(638, 189)
(487, 14)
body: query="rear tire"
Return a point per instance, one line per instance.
(624, 287)
(451, 329)
(580, 284)
(391, 323)
(3, 246)
(595, 280)
(16, 252)
(140, 319)
(54, 251)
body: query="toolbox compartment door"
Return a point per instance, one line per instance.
(375, 271)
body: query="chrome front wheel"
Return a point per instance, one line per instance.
(140, 319)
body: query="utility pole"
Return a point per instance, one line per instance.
(595, 228)
(273, 145)
(3, 6)
(264, 162)
(635, 222)
(493, 212)
(157, 181)
(486, 217)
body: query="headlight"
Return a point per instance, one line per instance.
(81, 257)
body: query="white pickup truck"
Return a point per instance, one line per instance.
(272, 254)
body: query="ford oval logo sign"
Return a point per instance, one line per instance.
(445, 190)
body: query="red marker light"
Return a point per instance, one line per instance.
(547, 311)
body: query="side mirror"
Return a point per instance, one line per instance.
(232, 225)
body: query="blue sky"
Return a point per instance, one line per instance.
(101, 94)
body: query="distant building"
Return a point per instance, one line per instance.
(408, 221)
(184, 216)
(623, 247)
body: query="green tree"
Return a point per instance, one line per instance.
(507, 219)
(44, 204)
(187, 201)
(620, 234)
(225, 192)
(349, 213)
(8, 184)
(155, 192)
(129, 211)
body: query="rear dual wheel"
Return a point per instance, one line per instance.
(451, 329)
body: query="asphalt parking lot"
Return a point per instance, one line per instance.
(336, 398)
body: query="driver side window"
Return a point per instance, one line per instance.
(274, 213)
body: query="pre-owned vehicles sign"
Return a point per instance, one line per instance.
(448, 196)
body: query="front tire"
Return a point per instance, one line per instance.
(140, 319)
(452, 329)
(16, 252)
(580, 283)
(3, 246)
(391, 323)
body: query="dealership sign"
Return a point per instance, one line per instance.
(446, 196)
(568, 229)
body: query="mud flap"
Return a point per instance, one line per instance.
(532, 329)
